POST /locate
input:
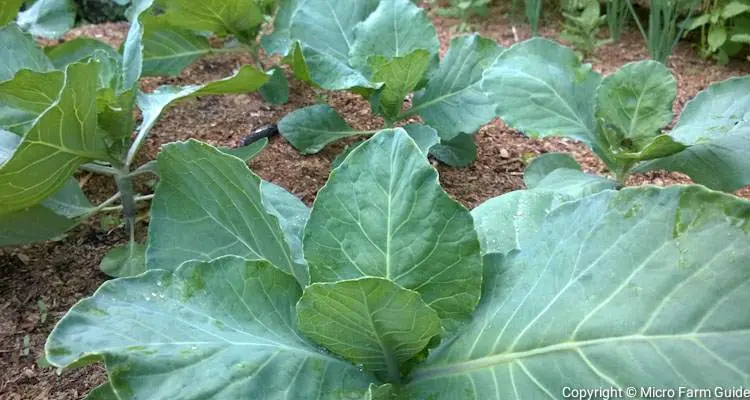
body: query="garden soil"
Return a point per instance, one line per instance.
(39, 282)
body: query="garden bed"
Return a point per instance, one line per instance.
(38, 283)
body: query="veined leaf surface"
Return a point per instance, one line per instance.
(20, 52)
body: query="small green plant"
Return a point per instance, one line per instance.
(533, 10)
(724, 29)
(465, 10)
(387, 288)
(71, 109)
(622, 116)
(582, 29)
(663, 31)
(617, 17)
(366, 48)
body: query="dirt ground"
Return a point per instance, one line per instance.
(39, 282)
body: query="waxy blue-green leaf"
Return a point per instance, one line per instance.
(508, 222)
(9, 10)
(423, 135)
(164, 335)
(62, 138)
(26, 96)
(292, 214)
(453, 101)
(20, 52)
(168, 49)
(311, 128)
(716, 126)
(132, 49)
(209, 204)
(276, 90)
(371, 322)
(541, 89)
(541, 166)
(459, 151)
(640, 287)
(396, 28)
(75, 50)
(326, 70)
(560, 173)
(48, 18)
(399, 75)
(125, 260)
(383, 214)
(636, 100)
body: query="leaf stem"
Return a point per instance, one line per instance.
(99, 169)
(136, 198)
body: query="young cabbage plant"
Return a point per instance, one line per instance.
(71, 109)
(387, 288)
(541, 89)
(384, 50)
(176, 35)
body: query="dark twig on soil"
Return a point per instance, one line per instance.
(265, 131)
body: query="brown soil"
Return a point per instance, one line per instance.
(57, 274)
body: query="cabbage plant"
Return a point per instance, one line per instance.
(388, 288)
(541, 89)
(71, 109)
(384, 50)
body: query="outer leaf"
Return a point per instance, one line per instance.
(207, 205)
(62, 138)
(457, 152)
(394, 222)
(424, 136)
(20, 52)
(716, 126)
(400, 75)
(292, 214)
(510, 221)
(311, 128)
(48, 18)
(369, 321)
(241, 18)
(733, 9)
(542, 165)
(167, 49)
(453, 101)
(639, 287)
(396, 28)
(27, 96)
(276, 90)
(279, 42)
(637, 101)
(197, 321)
(76, 50)
(9, 10)
(541, 89)
(247, 153)
(326, 70)
(575, 183)
(123, 261)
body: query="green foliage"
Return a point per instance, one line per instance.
(663, 29)
(410, 295)
(70, 108)
(465, 10)
(581, 30)
(617, 17)
(724, 29)
(385, 51)
(98, 11)
(622, 116)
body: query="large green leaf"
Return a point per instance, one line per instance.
(542, 165)
(636, 102)
(716, 126)
(395, 29)
(76, 50)
(383, 214)
(207, 205)
(241, 18)
(641, 287)
(326, 70)
(423, 135)
(575, 183)
(453, 101)
(457, 152)
(48, 18)
(167, 49)
(9, 10)
(164, 335)
(20, 52)
(541, 89)
(311, 128)
(399, 75)
(508, 222)
(27, 96)
(369, 321)
(62, 138)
